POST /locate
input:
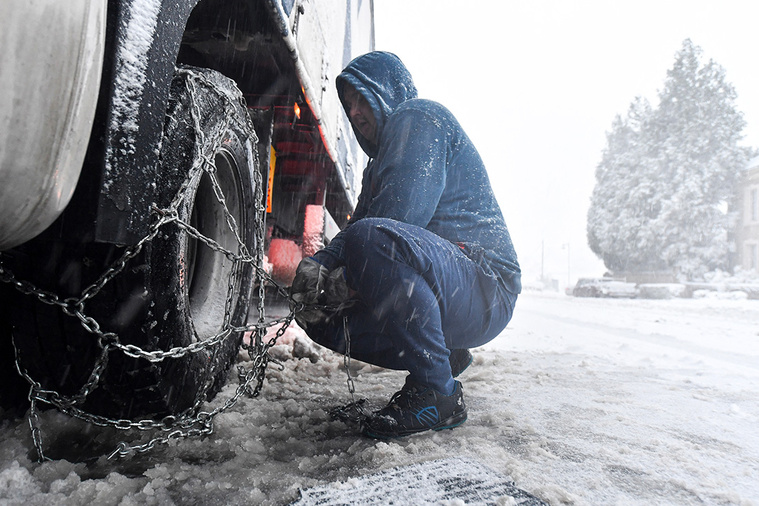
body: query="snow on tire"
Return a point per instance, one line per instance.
(177, 291)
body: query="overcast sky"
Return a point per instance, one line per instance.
(536, 84)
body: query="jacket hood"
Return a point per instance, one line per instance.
(385, 83)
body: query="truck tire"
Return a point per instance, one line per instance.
(177, 291)
(14, 389)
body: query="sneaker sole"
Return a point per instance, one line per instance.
(449, 423)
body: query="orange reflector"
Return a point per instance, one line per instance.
(270, 186)
(296, 108)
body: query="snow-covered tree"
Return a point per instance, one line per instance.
(666, 180)
(619, 205)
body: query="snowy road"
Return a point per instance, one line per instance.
(636, 401)
(722, 333)
(580, 401)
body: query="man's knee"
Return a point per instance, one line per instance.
(368, 241)
(372, 253)
(367, 232)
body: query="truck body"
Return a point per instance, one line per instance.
(112, 106)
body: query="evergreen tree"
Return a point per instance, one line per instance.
(620, 200)
(668, 176)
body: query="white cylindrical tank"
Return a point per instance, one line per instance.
(51, 57)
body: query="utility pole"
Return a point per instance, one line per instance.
(542, 259)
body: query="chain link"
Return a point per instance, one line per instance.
(355, 411)
(193, 422)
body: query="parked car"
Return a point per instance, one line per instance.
(604, 287)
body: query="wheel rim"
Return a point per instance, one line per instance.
(207, 287)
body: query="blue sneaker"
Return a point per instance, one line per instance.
(459, 359)
(417, 408)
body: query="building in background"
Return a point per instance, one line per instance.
(747, 233)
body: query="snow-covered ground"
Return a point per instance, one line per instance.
(580, 401)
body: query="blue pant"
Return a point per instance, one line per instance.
(419, 296)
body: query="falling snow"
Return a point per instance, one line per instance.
(579, 401)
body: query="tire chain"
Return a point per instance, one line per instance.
(355, 411)
(192, 422)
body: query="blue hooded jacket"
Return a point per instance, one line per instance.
(424, 170)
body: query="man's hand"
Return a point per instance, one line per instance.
(307, 289)
(337, 293)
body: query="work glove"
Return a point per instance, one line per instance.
(337, 293)
(308, 289)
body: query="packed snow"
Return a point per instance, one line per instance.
(579, 401)
(131, 63)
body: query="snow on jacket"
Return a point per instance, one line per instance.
(424, 170)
